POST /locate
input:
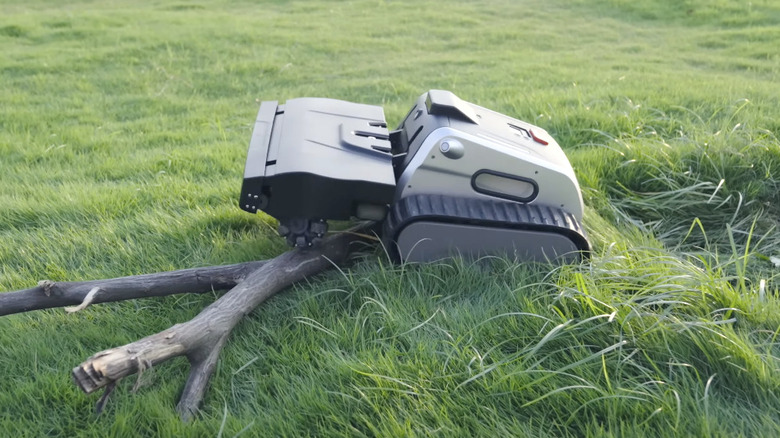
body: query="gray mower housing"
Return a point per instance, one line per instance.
(473, 181)
(314, 159)
(453, 178)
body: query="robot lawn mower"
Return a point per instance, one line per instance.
(453, 178)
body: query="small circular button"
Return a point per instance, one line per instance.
(452, 148)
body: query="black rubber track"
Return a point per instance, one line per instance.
(484, 212)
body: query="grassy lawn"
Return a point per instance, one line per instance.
(123, 132)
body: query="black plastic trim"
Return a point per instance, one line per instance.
(416, 133)
(500, 194)
(308, 195)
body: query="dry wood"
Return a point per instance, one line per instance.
(202, 338)
(49, 294)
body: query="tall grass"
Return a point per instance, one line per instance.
(693, 180)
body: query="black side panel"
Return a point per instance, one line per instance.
(257, 157)
(412, 132)
(482, 212)
(309, 195)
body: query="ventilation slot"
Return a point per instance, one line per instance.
(523, 132)
(367, 134)
(416, 133)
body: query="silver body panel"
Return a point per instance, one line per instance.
(459, 150)
(429, 241)
(431, 171)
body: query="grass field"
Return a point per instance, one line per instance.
(123, 132)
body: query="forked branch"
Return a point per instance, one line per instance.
(202, 338)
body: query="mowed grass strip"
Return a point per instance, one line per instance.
(123, 131)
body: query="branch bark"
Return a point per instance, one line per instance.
(49, 294)
(202, 338)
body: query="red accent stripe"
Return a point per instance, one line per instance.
(537, 139)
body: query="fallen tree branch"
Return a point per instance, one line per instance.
(202, 338)
(49, 294)
(87, 301)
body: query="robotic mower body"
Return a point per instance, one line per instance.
(454, 178)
